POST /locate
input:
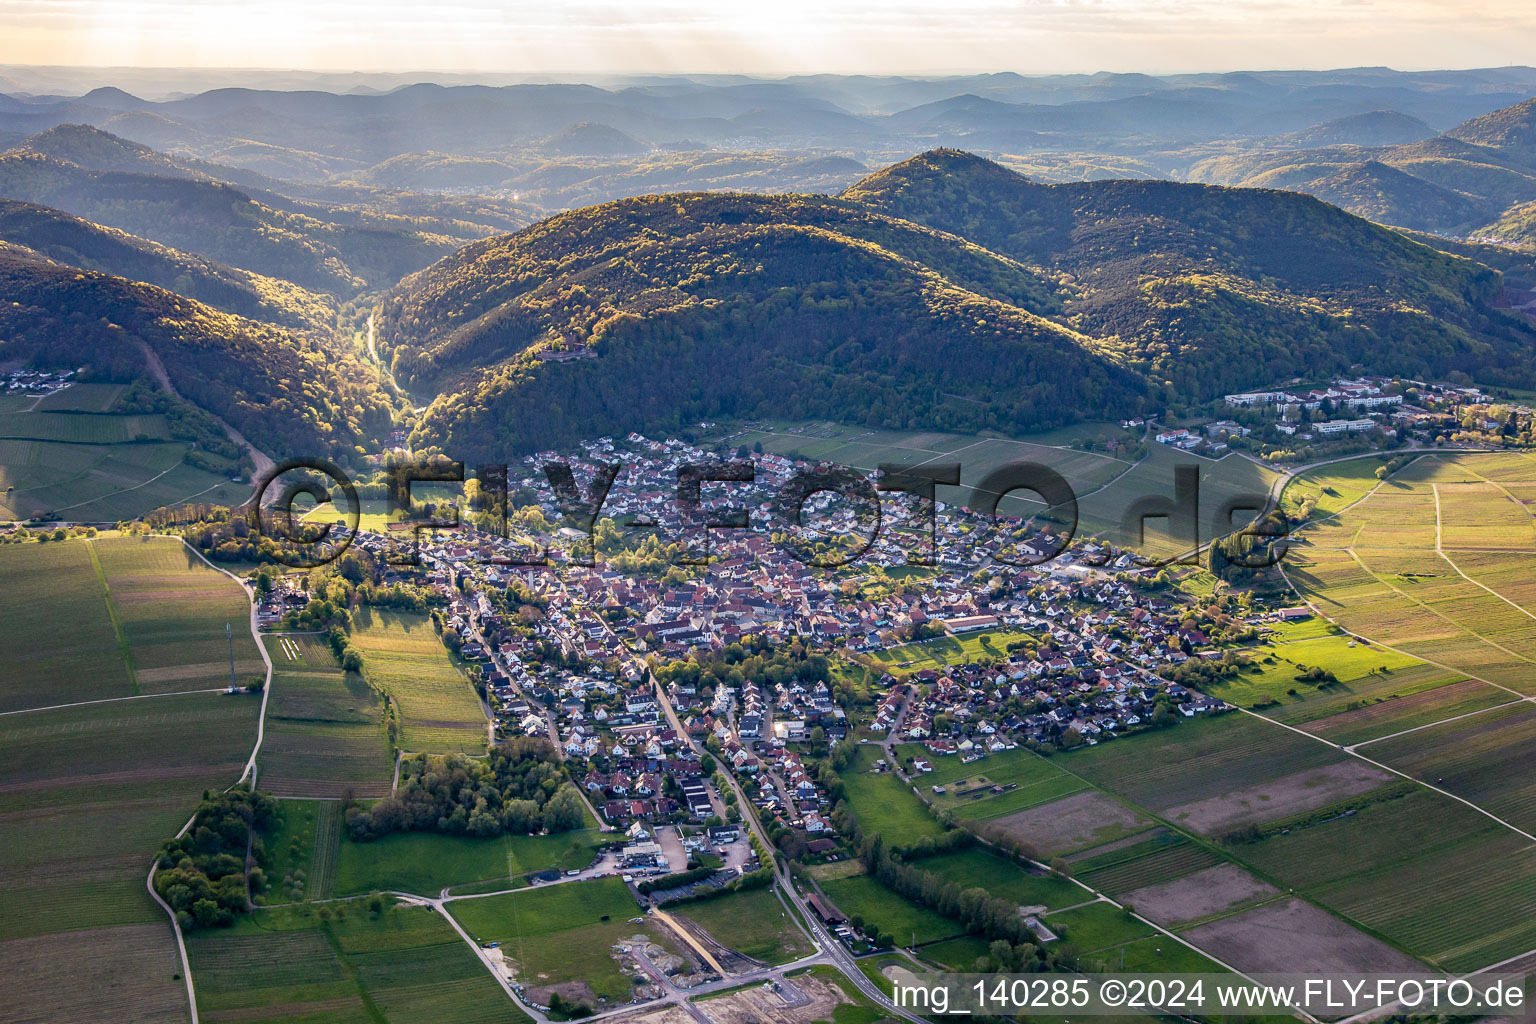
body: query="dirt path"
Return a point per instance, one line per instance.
(264, 465)
(693, 943)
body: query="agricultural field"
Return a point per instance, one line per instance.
(405, 658)
(883, 803)
(1211, 892)
(978, 456)
(124, 972)
(89, 794)
(1363, 672)
(1388, 715)
(753, 923)
(1154, 857)
(325, 727)
(65, 649)
(1293, 935)
(906, 922)
(426, 862)
(173, 610)
(1334, 487)
(1198, 759)
(344, 962)
(1072, 823)
(561, 937)
(977, 866)
(1487, 758)
(1472, 881)
(67, 458)
(1434, 563)
(1231, 481)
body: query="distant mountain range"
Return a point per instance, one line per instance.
(945, 291)
(1473, 179)
(565, 144)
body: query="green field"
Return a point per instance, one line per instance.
(563, 934)
(173, 609)
(325, 727)
(943, 651)
(753, 923)
(400, 966)
(426, 862)
(1364, 672)
(881, 908)
(405, 658)
(1334, 486)
(968, 787)
(64, 649)
(977, 866)
(1097, 927)
(884, 804)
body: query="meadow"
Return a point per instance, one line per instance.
(65, 649)
(426, 862)
(884, 804)
(1097, 927)
(562, 935)
(405, 658)
(881, 908)
(174, 609)
(946, 650)
(977, 866)
(968, 787)
(1362, 672)
(753, 923)
(344, 963)
(325, 727)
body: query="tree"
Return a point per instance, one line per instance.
(565, 812)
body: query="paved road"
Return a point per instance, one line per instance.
(830, 950)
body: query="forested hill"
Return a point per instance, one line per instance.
(652, 313)
(1215, 289)
(68, 239)
(943, 292)
(113, 182)
(290, 394)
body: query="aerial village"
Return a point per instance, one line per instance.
(1079, 649)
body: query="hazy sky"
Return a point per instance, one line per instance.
(771, 36)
